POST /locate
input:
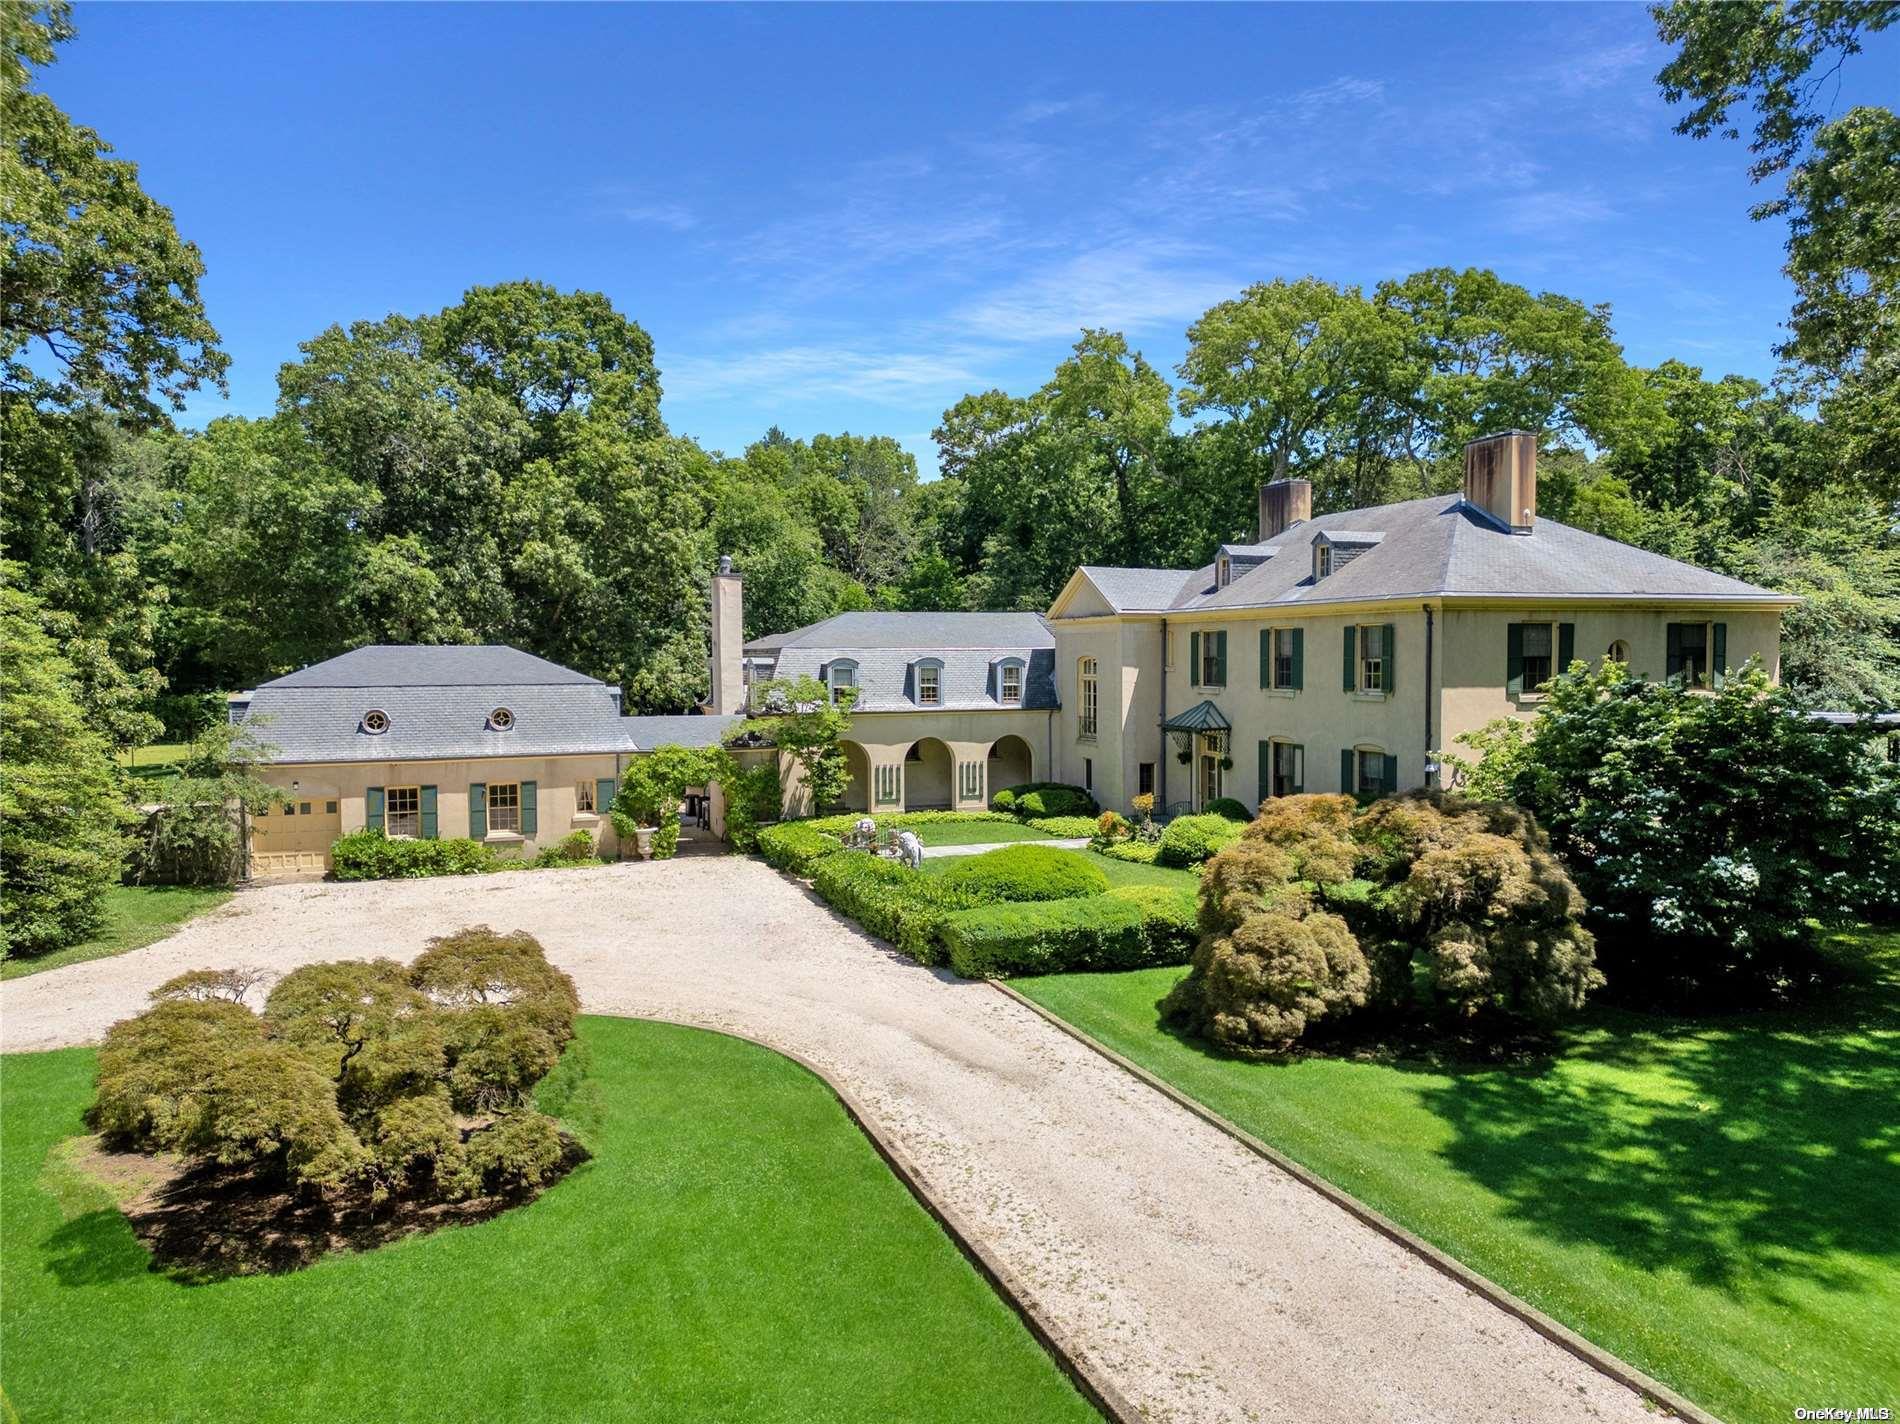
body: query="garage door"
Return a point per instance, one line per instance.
(294, 839)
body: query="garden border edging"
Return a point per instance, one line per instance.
(1069, 1358)
(1557, 1333)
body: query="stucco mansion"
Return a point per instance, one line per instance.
(1333, 653)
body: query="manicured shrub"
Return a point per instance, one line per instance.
(371, 855)
(1111, 826)
(1425, 905)
(897, 904)
(796, 846)
(1044, 798)
(361, 1076)
(575, 848)
(1066, 827)
(1189, 840)
(1135, 852)
(1230, 808)
(1711, 834)
(1131, 927)
(1027, 872)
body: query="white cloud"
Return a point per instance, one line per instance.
(1137, 286)
(674, 216)
(793, 374)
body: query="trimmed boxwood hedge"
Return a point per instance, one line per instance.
(371, 855)
(1189, 840)
(1027, 873)
(798, 846)
(1230, 808)
(1034, 800)
(1131, 927)
(1135, 852)
(891, 901)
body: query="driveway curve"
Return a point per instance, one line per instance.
(1201, 1281)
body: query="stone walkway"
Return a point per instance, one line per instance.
(1205, 1284)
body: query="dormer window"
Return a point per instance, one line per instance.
(500, 720)
(927, 680)
(375, 722)
(1008, 681)
(1224, 571)
(1322, 561)
(842, 678)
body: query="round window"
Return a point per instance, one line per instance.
(375, 723)
(501, 719)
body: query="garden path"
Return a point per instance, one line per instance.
(1199, 1280)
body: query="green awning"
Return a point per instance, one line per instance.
(1201, 717)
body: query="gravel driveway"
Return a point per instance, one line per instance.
(1206, 1284)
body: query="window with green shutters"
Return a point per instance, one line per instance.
(373, 808)
(477, 810)
(1697, 653)
(1371, 657)
(1282, 654)
(1207, 659)
(605, 790)
(1368, 771)
(1534, 653)
(428, 827)
(1282, 769)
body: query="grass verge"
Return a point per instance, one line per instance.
(136, 915)
(958, 833)
(1119, 872)
(735, 1250)
(1711, 1200)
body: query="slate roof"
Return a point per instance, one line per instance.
(887, 646)
(438, 701)
(1434, 547)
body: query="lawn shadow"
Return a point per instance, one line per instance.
(95, 1248)
(1737, 1150)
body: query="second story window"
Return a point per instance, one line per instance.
(1373, 657)
(1087, 697)
(1207, 657)
(929, 685)
(1012, 685)
(1283, 659)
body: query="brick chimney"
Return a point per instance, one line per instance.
(1501, 478)
(728, 640)
(1283, 504)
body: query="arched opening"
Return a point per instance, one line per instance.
(857, 790)
(1009, 764)
(928, 772)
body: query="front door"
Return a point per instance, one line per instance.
(1210, 770)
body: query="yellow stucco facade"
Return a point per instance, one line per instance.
(923, 760)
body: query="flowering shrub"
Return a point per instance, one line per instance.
(1710, 834)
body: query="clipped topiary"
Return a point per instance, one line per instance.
(1189, 840)
(1027, 872)
(1035, 799)
(1230, 808)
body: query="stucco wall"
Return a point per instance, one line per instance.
(555, 778)
(1474, 643)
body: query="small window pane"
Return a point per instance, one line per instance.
(584, 796)
(504, 807)
(402, 811)
(1012, 683)
(928, 691)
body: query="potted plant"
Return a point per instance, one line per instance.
(643, 840)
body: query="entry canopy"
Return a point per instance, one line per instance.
(1201, 717)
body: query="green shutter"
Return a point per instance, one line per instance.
(373, 808)
(1718, 654)
(1390, 779)
(1345, 772)
(1220, 658)
(1194, 660)
(477, 810)
(1566, 646)
(1298, 753)
(428, 813)
(1673, 655)
(604, 791)
(1299, 650)
(1391, 654)
(1352, 673)
(528, 825)
(1266, 657)
(1265, 779)
(1514, 659)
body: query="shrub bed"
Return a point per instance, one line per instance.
(1189, 840)
(892, 902)
(1026, 873)
(1230, 808)
(372, 855)
(1135, 852)
(1066, 827)
(1132, 927)
(798, 846)
(1036, 799)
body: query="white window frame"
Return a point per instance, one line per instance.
(1088, 698)
(841, 675)
(1295, 755)
(1360, 757)
(1003, 676)
(413, 813)
(1371, 670)
(1275, 637)
(929, 693)
(512, 808)
(1322, 561)
(584, 798)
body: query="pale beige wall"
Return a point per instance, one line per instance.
(555, 778)
(1108, 751)
(1474, 644)
(885, 738)
(1321, 717)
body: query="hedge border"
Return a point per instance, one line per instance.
(1016, 1293)
(1599, 1359)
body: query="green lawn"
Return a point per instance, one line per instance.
(136, 915)
(736, 1250)
(155, 760)
(1715, 1201)
(1119, 872)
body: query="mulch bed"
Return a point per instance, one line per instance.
(203, 1222)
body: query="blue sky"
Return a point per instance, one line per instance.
(845, 218)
